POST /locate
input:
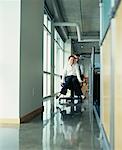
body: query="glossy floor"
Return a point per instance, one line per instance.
(59, 130)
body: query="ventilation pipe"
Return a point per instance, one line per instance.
(64, 24)
(57, 17)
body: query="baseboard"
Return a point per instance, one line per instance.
(16, 121)
(97, 117)
(105, 142)
(9, 121)
(28, 117)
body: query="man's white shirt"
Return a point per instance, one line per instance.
(71, 70)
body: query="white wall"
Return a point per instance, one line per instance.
(31, 55)
(9, 58)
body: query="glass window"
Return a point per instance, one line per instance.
(55, 34)
(58, 60)
(61, 61)
(45, 20)
(46, 84)
(47, 51)
(58, 54)
(49, 25)
(47, 57)
(61, 43)
(106, 11)
(57, 85)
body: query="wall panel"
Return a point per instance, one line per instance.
(118, 79)
(106, 84)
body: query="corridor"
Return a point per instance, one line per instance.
(76, 131)
(37, 38)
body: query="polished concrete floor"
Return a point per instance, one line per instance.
(58, 130)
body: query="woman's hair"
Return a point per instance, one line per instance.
(78, 55)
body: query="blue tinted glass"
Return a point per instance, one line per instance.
(106, 11)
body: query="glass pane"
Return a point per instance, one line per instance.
(49, 53)
(57, 85)
(54, 56)
(106, 11)
(59, 58)
(61, 61)
(48, 84)
(45, 40)
(48, 109)
(45, 20)
(58, 38)
(55, 34)
(44, 85)
(57, 63)
(49, 25)
(61, 44)
(112, 3)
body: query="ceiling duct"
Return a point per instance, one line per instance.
(58, 17)
(64, 24)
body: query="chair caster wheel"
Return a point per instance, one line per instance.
(57, 97)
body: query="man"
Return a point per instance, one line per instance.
(71, 77)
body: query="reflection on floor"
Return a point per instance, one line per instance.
(57, 131)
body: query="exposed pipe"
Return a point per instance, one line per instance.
(57, 16)
(64, 24)
(89, 40)
(78, 30)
